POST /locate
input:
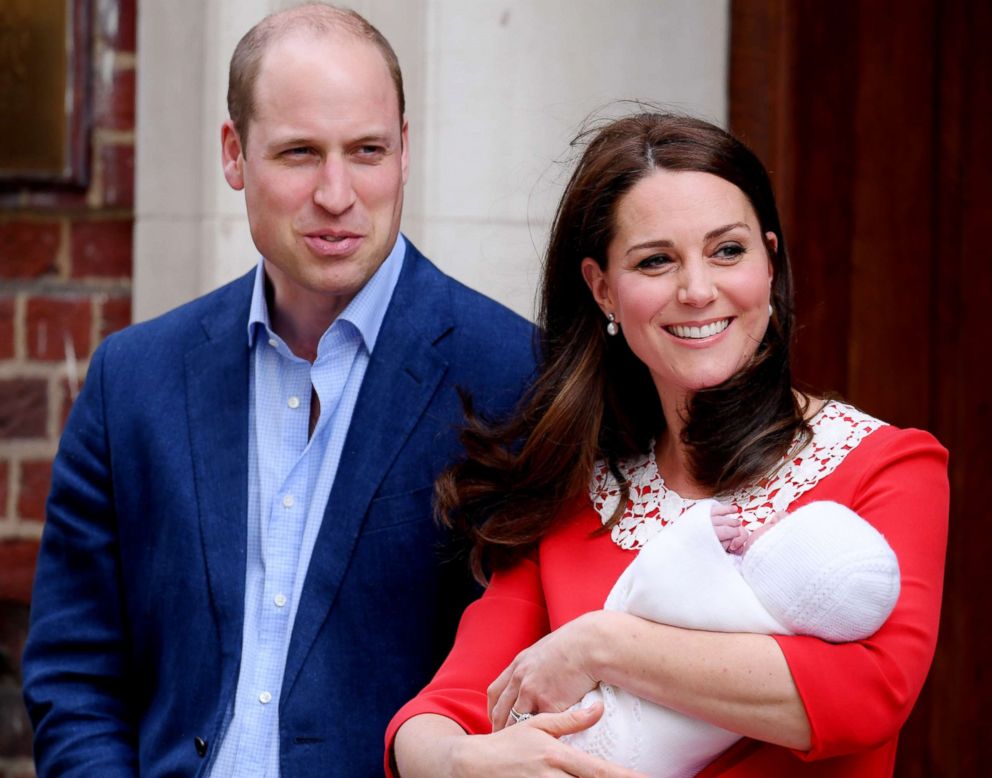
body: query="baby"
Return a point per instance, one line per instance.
(821, 571)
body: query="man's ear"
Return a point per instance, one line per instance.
(232, 156)
(405, 153)
(595, 279)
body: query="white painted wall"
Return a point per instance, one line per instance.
(495, 92)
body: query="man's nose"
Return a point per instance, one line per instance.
(334, 191)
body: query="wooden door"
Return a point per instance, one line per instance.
(874, 120)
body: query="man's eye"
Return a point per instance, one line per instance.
(371, 151)
(298, 151)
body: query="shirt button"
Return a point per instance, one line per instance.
(265, 698)
(287, 501)
(272, 342)
(293, 402)
(279, 600)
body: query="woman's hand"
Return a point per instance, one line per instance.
(550, 676)
(532, 748)
(432, 746)
(737, 681)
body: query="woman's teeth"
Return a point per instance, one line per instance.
(695, 333)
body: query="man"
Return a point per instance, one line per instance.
(240, 574)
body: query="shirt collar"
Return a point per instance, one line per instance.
(365, 312)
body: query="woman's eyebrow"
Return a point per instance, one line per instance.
(667, 244)
(726, 228)
(651, 244)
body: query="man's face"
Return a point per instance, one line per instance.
(323, 169)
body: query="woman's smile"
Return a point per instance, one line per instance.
(698, 331)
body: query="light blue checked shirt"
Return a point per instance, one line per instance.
(289, 482)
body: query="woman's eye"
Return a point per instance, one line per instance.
(729, 251)
(654, 262)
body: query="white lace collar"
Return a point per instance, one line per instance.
(837, 430)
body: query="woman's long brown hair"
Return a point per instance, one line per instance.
(593, 399)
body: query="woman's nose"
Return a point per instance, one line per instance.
(696, 287)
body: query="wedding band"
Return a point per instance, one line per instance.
(518, 717)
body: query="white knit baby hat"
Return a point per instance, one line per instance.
(824, 571)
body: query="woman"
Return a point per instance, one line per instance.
(667, 315)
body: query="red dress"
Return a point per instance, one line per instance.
(857, 695)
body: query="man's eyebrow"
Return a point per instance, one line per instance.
(300, 141)
(381, 138)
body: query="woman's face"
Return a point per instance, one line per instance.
(688, 278)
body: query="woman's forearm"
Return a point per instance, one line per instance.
(740, 682)
(422, 747)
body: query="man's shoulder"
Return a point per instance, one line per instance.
(223, 308)
(474, 315)
(490, 351)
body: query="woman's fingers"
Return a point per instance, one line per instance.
(533, 748)
(494, 695)
(507, 697)
(569, 759)
(550, 676)
(568, 722)
(503, 696)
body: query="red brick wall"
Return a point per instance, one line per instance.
(65, 283)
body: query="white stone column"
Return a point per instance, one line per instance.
(495, 91)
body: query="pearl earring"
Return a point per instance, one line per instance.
(771, 311)
(612, 328)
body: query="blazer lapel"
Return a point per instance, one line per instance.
(402, 376)
(217, 401)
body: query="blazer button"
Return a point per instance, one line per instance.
(201, 746)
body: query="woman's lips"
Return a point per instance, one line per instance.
(698, 332)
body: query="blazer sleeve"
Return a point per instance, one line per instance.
(858, 695)
(75, 657)
(510, 616)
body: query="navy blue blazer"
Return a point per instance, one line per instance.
(135, 641)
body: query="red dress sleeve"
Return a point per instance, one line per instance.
(858, 695)
(510, 616)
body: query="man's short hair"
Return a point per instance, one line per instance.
(313, 18)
